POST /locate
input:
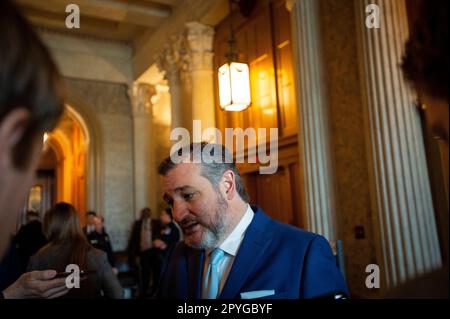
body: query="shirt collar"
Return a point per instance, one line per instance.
(232, 243)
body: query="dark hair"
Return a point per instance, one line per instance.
(91, 213)
(220, 160)
(28, 79)
(62, 227)
(426, 59)
(146, 210)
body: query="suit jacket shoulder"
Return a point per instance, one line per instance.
(288, 235)
(275, 257)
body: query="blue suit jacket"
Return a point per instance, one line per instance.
(273, 256)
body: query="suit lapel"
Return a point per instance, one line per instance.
(252, 249)
(194, 266)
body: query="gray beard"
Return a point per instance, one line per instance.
(216, 230)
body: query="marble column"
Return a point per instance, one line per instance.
(199, 38)
(404, 211)
(144, 158)
(169, 62)
(313, 118)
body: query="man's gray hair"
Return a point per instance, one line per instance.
(214, 159)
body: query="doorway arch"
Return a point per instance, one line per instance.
(78, 149)
(78, 172)
(69, 142)
(87, 119)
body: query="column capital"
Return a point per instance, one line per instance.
(199, 40)
(141, 98)
(173, 59)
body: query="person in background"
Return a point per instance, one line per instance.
(31, 103)
(167, 238)
(140, 246)
(98, 237)
(30, 238)
(169, 234)
(90, 222)
(11, 266)
(68, 245)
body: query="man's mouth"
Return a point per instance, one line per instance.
(190, 227)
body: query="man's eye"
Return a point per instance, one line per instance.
(188, 196)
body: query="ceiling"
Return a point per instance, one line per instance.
(121, 20)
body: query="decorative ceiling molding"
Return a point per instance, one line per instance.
(81, 36)
(153, 44)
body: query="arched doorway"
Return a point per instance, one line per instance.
(62, 171)
(69, 143)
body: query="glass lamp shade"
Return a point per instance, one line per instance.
(234, 86)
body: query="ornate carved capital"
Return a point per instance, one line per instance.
(199, 38)
(141, 98)
(173, 60)
(188, 52)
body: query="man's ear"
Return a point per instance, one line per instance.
(12, 128)
(229, 184)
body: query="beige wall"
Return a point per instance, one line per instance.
(91, 59)
(98, 74)
(112, 108)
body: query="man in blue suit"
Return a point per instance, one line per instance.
(232, 250)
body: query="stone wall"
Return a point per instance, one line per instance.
(111, 105)
(87, 58)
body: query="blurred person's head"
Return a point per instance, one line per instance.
(426, 62)
(32, 215)
(30, 104)
(145, 213)
(62, 227)
(206, 193)
(91, 218)
(98, 223)
(166, 216)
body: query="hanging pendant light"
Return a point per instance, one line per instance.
(234, 78)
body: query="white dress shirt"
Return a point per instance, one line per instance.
(230, 246)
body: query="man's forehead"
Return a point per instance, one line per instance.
(181, 175)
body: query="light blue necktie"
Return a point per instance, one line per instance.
(212, 278)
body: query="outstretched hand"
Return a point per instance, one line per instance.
(37, 284)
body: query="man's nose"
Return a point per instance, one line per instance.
(179, 211)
